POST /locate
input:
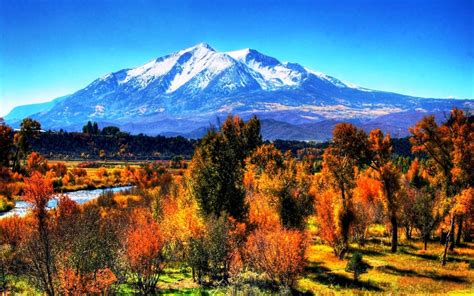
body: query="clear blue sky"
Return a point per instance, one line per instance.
(422, 48)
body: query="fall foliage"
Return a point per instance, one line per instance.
(240, 211)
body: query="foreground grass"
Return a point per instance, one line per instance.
(409, 271)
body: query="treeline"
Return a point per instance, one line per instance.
(111, 143)
(118, 146)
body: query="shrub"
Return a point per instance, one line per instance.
(214, 253)
(279, 253)
(356, 265)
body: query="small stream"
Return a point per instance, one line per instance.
(80, 196)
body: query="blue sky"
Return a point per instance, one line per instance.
(423, 48)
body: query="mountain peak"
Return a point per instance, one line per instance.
(202, 45)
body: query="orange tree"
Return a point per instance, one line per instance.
(282, 182)
(347, 152)
(385, 171)
(38, 191)
(449, 148)
(144, 251)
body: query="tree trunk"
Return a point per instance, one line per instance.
(451, 237)
(442, 237)
(450, 233)
(394, 222)
(47, 254)
(407, 232)
(425, 243)
(459, 233)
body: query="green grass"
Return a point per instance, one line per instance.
(409, 271)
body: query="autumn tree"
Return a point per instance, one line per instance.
(216, 169)
(12, 263)
(421, 203)
(366, 205)
(38, 192)
(449, 147)
(36, 163)
(213, 252)
(387, 173)
(87, 248)
(179, 220)
(144, 251)
(341, 160)
(330, 220)
(282, 182)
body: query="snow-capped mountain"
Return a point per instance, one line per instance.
(186, 90)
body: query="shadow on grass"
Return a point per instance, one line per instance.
(322, 274)
(366, 252)
(432, 257)
(390, 269)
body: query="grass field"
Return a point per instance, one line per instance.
(410, 270)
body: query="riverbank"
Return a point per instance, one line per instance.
(80, 196)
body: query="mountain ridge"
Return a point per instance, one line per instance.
(186, 90)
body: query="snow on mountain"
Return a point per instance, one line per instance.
(189, 88)
(270, 73)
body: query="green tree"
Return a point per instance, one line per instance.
(87, 129)
(216, 169)
(6, 144)
(356, 265)
(95, 129)
(110, 131)
(29, 130)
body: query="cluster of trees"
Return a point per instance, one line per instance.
(113, 143)
(360, 183)
(243, 205)
(93, 129)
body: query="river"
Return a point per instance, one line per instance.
(80, 196)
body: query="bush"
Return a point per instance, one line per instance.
(106, 199)
(356, 265)
(279, 253)
(212, 254)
